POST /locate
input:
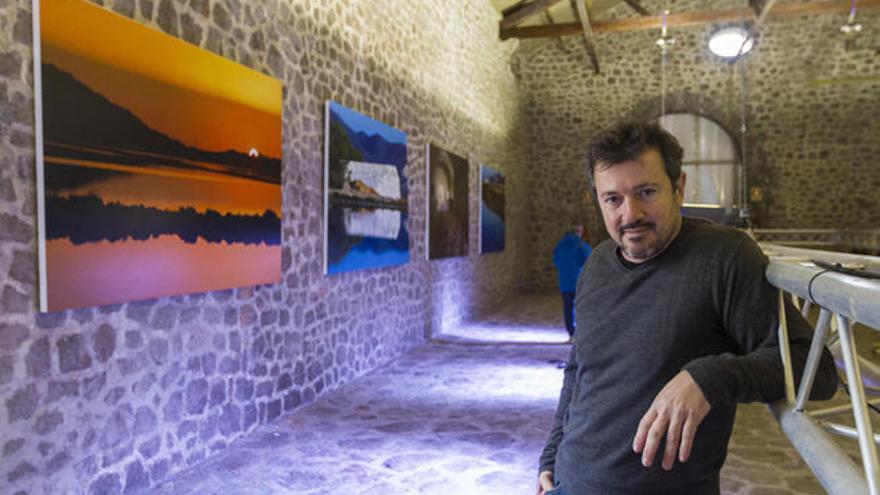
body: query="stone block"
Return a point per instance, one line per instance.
(218, 392)
(72, 354)
(150, 448)
(86, 467)
(170, 376)
(167, 17)
(230, 420)
(291, 400)
(14, 302)
(13, 229)
(93, 385)
(172, 409)
(12, 335)
(45, 448)
(57, 462)
(196, 396)
(158, 350)
(133, 339)
(105, 485)
(59, 389)
(208, 427)
(11, 65)
(22, 404)
(139, 311)
(124, 7)
(229, 366)
(48, 422)
(114, 395)
(186, 429)
(24, 469)
(12, 446)
(24, 267)
(49, 321)
(244, 389)
(115, 430)
(273, 409)
(38, 361)
(165, 317)
(144, 421)
(7, 368)
(136, 478)
(264, 388)
(104, 342)
(159, 469)
(209, 363)
(284, 382)
(249, 418)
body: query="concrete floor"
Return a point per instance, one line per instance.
(466, 415)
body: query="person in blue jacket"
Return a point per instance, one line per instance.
(569, 256)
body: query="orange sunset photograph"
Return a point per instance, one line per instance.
(159, 163)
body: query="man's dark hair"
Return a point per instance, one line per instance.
(625, 141)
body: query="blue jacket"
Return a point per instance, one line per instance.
(569, 256)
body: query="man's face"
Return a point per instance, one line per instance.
(639, 205)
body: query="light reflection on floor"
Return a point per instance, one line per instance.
(452, 419)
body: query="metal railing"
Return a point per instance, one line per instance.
(866, 241)
(843, 300)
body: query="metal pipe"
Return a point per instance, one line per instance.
(853, 297)
(785, 350)
(835, 410)
(813, 359)
(845, 431)
(834, 469)
(805, 309)
(860, 409)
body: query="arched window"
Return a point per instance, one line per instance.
(709, 159)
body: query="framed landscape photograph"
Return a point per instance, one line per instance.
(447, 188)
(158, 163)
(492, 201)
(365, 192)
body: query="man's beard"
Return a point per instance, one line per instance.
(648, 251)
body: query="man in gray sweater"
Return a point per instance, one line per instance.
(676, 325)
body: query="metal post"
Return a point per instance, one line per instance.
(805, 310)
(860, 409)
(813, 359)
(785, 350)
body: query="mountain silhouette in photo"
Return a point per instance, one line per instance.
(76, 116)
(367, 147)
(84, 219)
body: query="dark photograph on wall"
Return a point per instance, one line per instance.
(491, 210)
(365, 192)
(447, 187)
(158, 163)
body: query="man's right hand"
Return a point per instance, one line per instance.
(545, 482)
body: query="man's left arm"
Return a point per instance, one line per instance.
(749, 308)
(750, 312)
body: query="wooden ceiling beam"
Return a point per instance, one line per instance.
(589, 39)
(525, 11)
(765, 9)
(635, 5)
(685, 19)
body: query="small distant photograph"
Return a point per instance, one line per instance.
(491, 210)
(447, 204)
(365, 192)
(160, 163)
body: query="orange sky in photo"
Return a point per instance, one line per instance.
(104, 273)
(176, 88)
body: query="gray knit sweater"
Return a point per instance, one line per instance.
(703, 305)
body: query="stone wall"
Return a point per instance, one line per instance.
(811, 106)
(112, 399)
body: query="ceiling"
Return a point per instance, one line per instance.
(534, 22)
